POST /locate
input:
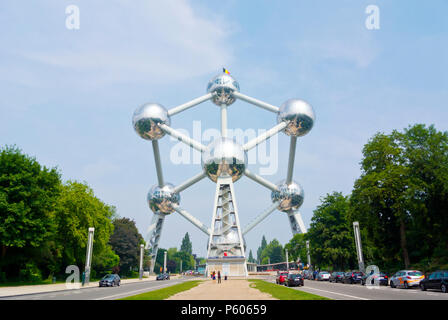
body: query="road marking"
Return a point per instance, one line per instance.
(341, 294)
(131, 292)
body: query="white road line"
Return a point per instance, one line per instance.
(340, 294)
(131, 292)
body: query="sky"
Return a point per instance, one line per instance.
(67, 95)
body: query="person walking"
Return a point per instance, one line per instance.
(219, 276)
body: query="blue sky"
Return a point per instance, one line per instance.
(67, 96)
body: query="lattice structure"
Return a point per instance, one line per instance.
(224, 161)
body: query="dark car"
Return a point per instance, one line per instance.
(437, 280)
(382, 278)
(294, 279)
(281, 277)
(336, 276)
(163, 276)
(110, 280)
(353, 277)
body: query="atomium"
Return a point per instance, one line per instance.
(224, 158)
(289, 195)
(299, 115)
(223, 86)
(147, 118)
(224, 162)
(162, 199)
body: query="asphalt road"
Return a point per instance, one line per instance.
(103, 293)
(340, 291)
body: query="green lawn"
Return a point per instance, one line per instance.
(165, 293)
(282, 292)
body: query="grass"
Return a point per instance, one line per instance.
(164, 293)
(282, 292)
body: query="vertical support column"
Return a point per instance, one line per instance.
(153, 237)
(89, 255)
(287, 260)
(292, 155)
(155, 147)
(142, 249)
(308, 253)
(164, 261)
(358, 246)
(224, 120)
(296, 222)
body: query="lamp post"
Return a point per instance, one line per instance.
(89, 255)
(141, 262)
(287, 260)
(308, 253)
(358, 246)
(164, 262)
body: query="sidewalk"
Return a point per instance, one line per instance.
(19, 290)
(226, 290)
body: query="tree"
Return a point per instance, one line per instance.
(297, 247)
(186, 245)
(251, 258)
(28, 194)
(263, 245)
(125, 241)
(274, 251)
(331, 234)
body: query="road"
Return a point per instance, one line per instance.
(340, 291)
(103, 293)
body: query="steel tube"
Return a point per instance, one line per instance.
(192, 219)
(181, 137)
(224, 120)
(189, 104)
(189, 182)
(262, 137)
(255, 102)
(155, 147)
(260, 180)
(260, 218)
(292, 154)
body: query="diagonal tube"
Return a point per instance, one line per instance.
(292, 154)
(155, 147)
(190, 104)
(192, 219)
(189, 182)
(255, 102)
(181, 137)
(260, 180)
(262, 137)
(261, 217)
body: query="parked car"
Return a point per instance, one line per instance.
(323, 276)
(110, 280)
(281, 277)
(382, 278)
(163, 276)
(436, 280)
(307, 274)
(406, 279)
(294, 279)
(336, 276)
(353, 277)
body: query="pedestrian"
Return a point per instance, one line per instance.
(219, 276)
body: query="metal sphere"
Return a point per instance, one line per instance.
(161, 199)
(299, 115)
(290, 196)
(146, 119)
(224, 158)
(223, 85)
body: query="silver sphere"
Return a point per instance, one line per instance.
(161, 199)
(223, 85)
(290, 196)
(224, 158)
(146, 119)
(299, 115)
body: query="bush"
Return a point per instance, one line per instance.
(30, 273)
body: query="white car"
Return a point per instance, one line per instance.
(323, 276)
(406, 279)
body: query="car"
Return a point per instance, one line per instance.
(336, 276)
(323, 276)
(110, 280)
(436, 280)
(294, 279)
(307, 274)
(381, 278)
(281, 277)
(406, 279)
(163, 276)
(353, 277)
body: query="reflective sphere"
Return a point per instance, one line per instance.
(299, 115)
(161, 199)
(146, 119)
(224, 158)
(223, 85)
(290, 196)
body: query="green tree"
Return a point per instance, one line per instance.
(125, 242)
(260, 249)
(297, 247)
(186, 245)
(251, 257)
(28, 195)
(330, 234)
(274, 251)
